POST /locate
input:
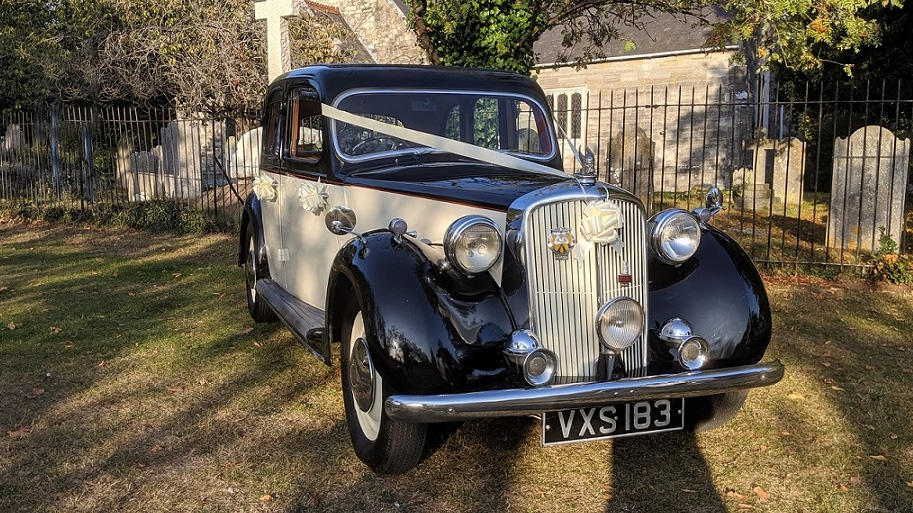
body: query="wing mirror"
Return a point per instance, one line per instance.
(712, 204)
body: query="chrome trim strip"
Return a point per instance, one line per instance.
(531, 401)
(400, 90)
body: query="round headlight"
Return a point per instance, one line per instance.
(473, 244)
(675, 236)
(619, 323)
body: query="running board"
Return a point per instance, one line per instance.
(301, 318)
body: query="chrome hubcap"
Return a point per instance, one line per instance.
(361, 375)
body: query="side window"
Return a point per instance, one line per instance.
(452, 128)
(273, 120)
(306, 134)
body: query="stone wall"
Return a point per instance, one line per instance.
(692, 107)
(382, 29)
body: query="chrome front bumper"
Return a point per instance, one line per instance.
(528, 401)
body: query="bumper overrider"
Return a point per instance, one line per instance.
(529, 401)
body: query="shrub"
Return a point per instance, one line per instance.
(888, 265)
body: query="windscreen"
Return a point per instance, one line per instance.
(500, 122)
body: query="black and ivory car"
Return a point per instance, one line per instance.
(420, 218)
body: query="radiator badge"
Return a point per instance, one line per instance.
(560, 242)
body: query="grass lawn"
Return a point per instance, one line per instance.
(132, 379)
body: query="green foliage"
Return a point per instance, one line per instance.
(802, 35)
(887, 265)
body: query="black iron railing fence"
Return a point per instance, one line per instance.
(810, 175)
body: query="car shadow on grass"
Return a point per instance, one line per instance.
(665, 471)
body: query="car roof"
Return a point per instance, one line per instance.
(330, 80)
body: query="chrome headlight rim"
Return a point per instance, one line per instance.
(457, 229)
(660, 222)
(612, 346)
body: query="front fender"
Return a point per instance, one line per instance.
(431, 331)
(252, 218)
(720, 293)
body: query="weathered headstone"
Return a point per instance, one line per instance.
(631, 162)
(868, 187)
(244, 161)
(777, 170)
(13, 137)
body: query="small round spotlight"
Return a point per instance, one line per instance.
(539, 367)
(692, 354)
(619, 323)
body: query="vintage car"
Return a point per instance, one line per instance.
(420, 218)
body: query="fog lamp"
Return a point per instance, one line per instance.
(619, 323)
(692, 354)
(539, 367)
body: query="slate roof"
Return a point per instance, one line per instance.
(658, 33)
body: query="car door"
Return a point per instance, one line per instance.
(306, 195)
(270, 168)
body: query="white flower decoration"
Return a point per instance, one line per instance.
(313, 197)
(264, 188)
(600, 224)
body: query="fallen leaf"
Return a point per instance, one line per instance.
(140, 465)
(746, 506)
(835, 387)
(3, 289)
(869, 367)
(828, 381)
(879, 457)
(257, 344)
(156, 449)
(266, 498)
(131, 293)
(795, 396)
(910, 484)
(20, 433)
(855, 481)
(686, 490)
(114, 274)
(54, 329)
(176, 390)
(826, 364)
(69, 344)
(732, 494)
(245, 331)
(826, 353)
(11, 325)
(843, 488)
(175, 275)
(761, 493)
(894, 436)
(101, 363)
(203, 381)
(37, 391)
(763, 448)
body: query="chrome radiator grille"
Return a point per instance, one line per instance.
(566, 294)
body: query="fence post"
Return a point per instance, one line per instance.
(88, 152)
(55, 147)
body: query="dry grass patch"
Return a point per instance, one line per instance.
(132, 379)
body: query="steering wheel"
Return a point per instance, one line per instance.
(394, 143)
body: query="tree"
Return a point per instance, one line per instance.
(501, 33)
(205, 54)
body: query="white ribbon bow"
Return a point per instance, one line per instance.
(313, 198)
(600, 224)
(264, 188)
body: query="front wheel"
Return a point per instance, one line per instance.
(386, 445)
(256, 305)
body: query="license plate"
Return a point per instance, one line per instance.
(612, 421)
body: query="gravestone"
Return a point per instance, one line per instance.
(630, 162)
(13, 137)
(244, 154)
(867, 188)
(777, 170)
